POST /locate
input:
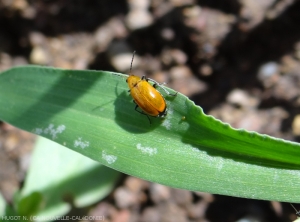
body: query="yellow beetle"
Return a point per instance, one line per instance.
(146, 96)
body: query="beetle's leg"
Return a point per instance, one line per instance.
(141, 112)
(156, 84)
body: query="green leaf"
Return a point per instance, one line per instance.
(92, 113)
(30, 204)
(59, 178)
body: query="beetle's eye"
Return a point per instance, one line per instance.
(126, 80)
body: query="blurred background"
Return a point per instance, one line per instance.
(237, 59)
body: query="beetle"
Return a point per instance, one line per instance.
(146, 96)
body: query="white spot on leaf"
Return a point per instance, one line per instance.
(38, 131)
(170, 111)
(146, 150)
(50, 130)
(167, 124)
(108, 158)
(81, 144)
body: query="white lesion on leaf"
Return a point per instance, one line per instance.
(80, 143)
(108, 158)
(50, 130)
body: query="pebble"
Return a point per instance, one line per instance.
(266, 121)
(135, 185)
(5, 61)
(19, 60)
(122, 62)
(278, 8)
(181, 197)
(39, 56)
(159, 193)
(121, 216)
(104, 209)
(124, 198)
(268, 69)
(70, 51)
(167, 34)
(170, 212)
(138, 16)
(179, 3)
(104, 35)
(150, 214)
(242, 98)
(197, 210)
(183, 81)
(139, 4)
(205, 70)
(137, 19)
(287, 88)
(296, 125)
(207, 197)
(37, 39)
(173, 56)
(268, 74)
(253, 12)
(150, 64)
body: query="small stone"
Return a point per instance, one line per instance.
(104, 209)
(253, 12)
(39, 56)
(159, 192)
(296, 125)
(207, 197)
(140, 4)
(20, 4)
(167, 33)
(19, 60)
(121, 216)
(12, 141)
(37, 38)
(135, 185)
(241, 98)
(192, 11)
(5, 61)
(179, 56)
(173, 56)
(104, 35)
(196, 211)
(170, 212)
(180, 3)
(29, 12)
(183, 81)
(268, 74)
(206, 70)
(150, 214)
(161, 77)
(122, 62)
(137, 19)
(287, 87)
(125, 198)
(181, 197)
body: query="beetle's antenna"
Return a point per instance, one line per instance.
(297, 212)
(131, 62)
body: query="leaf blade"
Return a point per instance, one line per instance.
(92, 113)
